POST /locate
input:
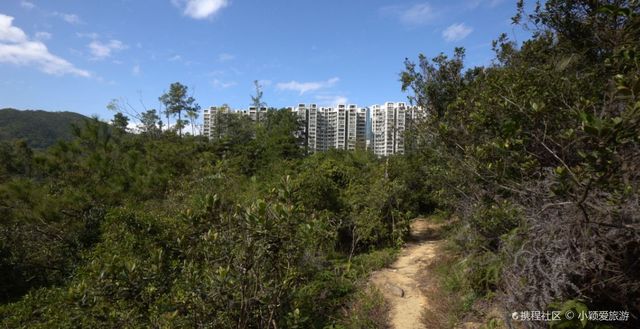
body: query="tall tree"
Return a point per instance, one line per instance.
(193, 114)
(256, 100)
(167, 114)
(149, 122)
(120, 121)
(436, 83)
(177, 101)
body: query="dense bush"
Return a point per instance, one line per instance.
(538, 155)
(153, 230)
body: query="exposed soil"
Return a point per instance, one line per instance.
(400, 283)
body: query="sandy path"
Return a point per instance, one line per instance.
(400, 282)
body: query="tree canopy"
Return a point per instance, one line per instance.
(176, 101)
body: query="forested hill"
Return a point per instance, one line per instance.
(39, 128)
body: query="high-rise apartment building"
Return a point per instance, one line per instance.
(212, 118)
(323, 128)
(388, 125)
(341, 122)
(303, 119)
(380, 128)
(215, 125)
(307, 120)
(206, 122)
(357, 128)
(254, 113)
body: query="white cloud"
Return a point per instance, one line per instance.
(175, 58)
(10, 33)
(69, 18)
(100, 50)
(132, 126)
(472, 4)
(221, 84)
(415, 15)
(16, 48)
(418, 14)
(303, 87)
(36, 53)
(332, 101)
(200, 9)
(91, 35)
(43, 35)
(265, 83)
(27, 4)
(224, 57)
(456, 32)
(136, 70)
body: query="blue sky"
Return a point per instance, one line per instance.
(77, 55)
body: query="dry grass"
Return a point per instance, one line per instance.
(368, 310)
(452, 303)
(441, 311)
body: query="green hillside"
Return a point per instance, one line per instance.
(39, 128)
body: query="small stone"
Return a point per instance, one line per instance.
(395, 290)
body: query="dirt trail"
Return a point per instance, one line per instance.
(400, 283)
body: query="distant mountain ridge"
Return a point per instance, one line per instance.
(40, 129)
